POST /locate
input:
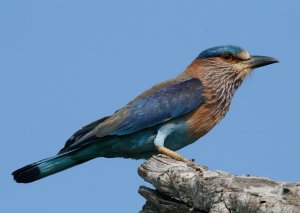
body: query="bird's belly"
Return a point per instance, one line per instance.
(180, 137)
(137, 145)
(141, 144)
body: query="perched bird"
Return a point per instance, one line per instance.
(163, 119)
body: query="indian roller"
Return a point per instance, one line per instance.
(163, 119)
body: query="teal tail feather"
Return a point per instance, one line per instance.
(48, 166)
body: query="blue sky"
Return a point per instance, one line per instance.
(66, 63)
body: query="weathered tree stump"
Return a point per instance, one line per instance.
(188, 187)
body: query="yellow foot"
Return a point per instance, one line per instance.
(171, 154)
(176, 156)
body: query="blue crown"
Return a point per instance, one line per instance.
(220, 50)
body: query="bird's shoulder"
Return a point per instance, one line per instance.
(180, 78)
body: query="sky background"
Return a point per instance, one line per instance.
(64, 64)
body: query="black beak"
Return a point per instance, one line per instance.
(259, 61)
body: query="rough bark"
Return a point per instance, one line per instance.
(188, 187)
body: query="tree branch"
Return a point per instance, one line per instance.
(188, 187)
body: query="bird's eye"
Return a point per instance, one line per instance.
(227, 57)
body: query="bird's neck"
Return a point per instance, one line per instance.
(219, 85)
(219, 89)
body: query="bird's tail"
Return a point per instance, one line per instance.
(48, 166)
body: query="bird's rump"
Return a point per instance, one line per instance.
(80, 133)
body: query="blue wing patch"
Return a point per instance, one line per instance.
(166, 103)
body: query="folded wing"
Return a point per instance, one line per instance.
(160, 106)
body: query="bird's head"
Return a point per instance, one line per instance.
(228, 61)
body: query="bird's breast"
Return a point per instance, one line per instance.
(205, 117)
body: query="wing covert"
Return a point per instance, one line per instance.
(167, 103)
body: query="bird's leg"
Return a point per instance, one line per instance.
(171, 154)
(176, 156)
(159, 140)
